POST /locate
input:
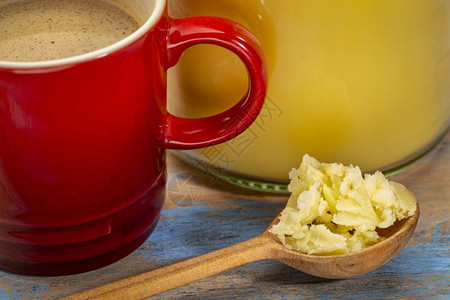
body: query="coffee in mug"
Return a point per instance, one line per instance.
(83, 138)
(38, 30)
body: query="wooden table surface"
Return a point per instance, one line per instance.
(202, 215)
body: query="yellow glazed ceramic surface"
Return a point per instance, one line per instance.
(358, 82)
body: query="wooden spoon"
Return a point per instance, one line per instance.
(265, 246)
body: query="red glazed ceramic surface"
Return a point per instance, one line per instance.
(82, 143)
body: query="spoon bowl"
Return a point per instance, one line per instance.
(352, 264)
(264, 246)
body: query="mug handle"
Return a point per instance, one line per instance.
(182, 133)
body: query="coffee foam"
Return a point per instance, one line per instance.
(41, 30)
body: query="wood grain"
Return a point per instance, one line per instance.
(202, 215)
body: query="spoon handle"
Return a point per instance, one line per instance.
(176, 275)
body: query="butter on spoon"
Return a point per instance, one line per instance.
(334, 209)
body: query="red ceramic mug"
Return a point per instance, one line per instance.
(83, 139)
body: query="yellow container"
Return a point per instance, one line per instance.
(360, 82)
